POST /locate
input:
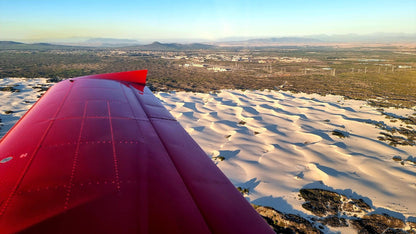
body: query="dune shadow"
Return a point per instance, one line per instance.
(380, 143)
(341, 107)
(353, 176)
(213, 114)
(287, 95)
(190, 105)
(228, 154)
(331, 171)
(411, 159)
(288, 113)
(267, 106)
(406, 171)
(349, 109)
(165, 95)
(365, 156)
(394, 214)
(411, 219)
(251, 184)
(320, 133)
(257, 118)
(274, 129)
(190, 115)
(340, 145)
(250, 110)
(280, 148)
(278, 203)
(225, 102)
(6, 123)
(229, 103)
(335, 105)
(199, 128)
(228, 123)
(346, 192)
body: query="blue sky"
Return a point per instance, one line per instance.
(163, 20)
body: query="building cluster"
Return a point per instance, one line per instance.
(205, 60)
(208, 67)
(222, 57)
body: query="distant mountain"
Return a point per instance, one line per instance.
(10, 43)
(109, 42)
(13, 45)
(121, 43)
(42, 44)
(372, 37)
(284, 40)
(173, 46)
(324, 38)
(273, 41)
(318, 39)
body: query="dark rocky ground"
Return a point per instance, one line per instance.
(331, 209)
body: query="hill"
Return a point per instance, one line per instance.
(284, 40)
(322, 39)
(109, 42)
(13, 45)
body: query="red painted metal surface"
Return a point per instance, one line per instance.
(100, 154)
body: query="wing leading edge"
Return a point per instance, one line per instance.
(101, 154)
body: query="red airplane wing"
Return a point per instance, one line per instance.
(100, 154)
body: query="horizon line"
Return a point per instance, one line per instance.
(77, 40)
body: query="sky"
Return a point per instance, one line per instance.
(199, 20)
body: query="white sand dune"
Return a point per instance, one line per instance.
(17, 102)
(274, 143)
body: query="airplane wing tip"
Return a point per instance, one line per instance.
(136, 76)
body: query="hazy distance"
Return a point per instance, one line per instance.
(200, 21)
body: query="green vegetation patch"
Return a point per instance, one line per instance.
(340, 134)
(219, 158)
(243, 191)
